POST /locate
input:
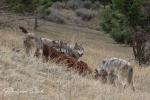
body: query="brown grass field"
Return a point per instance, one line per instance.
(27, 78)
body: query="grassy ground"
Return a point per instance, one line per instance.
(27, 78)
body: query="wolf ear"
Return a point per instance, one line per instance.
(76, 44)
(23, 29)
(103, 62)
(96, 71)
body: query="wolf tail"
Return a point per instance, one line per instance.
(130, 78)
(23, 29)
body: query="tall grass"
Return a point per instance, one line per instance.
(46, 81)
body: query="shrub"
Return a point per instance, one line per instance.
(45, 3)
(106, 20)
(42, 12)
(59, 5)
(55, 16)
(96, 5)
(29, 5)
(75, 20)
(105, 2)
(23, 5)
(19, 8)
(85, 14)
(116, 24)
(87, 4)
(121, 36)
(74, 4)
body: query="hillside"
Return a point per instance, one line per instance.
(27, 78)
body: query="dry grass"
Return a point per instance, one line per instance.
(27, 78)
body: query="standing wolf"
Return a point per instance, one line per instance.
(32, 44)
(28, 41)
(35, 44)
(116, 69)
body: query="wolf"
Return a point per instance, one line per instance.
(116, 68)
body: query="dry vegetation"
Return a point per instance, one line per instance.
(27, 78)
(76, 12)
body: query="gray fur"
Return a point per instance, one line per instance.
(118, 69)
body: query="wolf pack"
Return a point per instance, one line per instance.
(111, 70)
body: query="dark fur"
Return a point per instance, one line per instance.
(83, 68)
(51, 53)
(23, 29)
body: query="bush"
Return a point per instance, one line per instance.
(29, 5)
(74, 4)
(59, 5)
(96, 5)
(42, 12)
(121, 36)
(85, 14)
(23, 5)
(46, 3)
(75, 20)
(55, 16)
(87, 4)
(106, 20)
(116, 24)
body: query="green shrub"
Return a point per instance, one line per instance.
(106, 20)
(23, 5)
(121, 36)
(116, 24)
(29, 5)
(46, 3)
(120, 18)
(18, 7)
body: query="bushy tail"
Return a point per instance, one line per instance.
(130, 78)
(23, 29)
(130, 75)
